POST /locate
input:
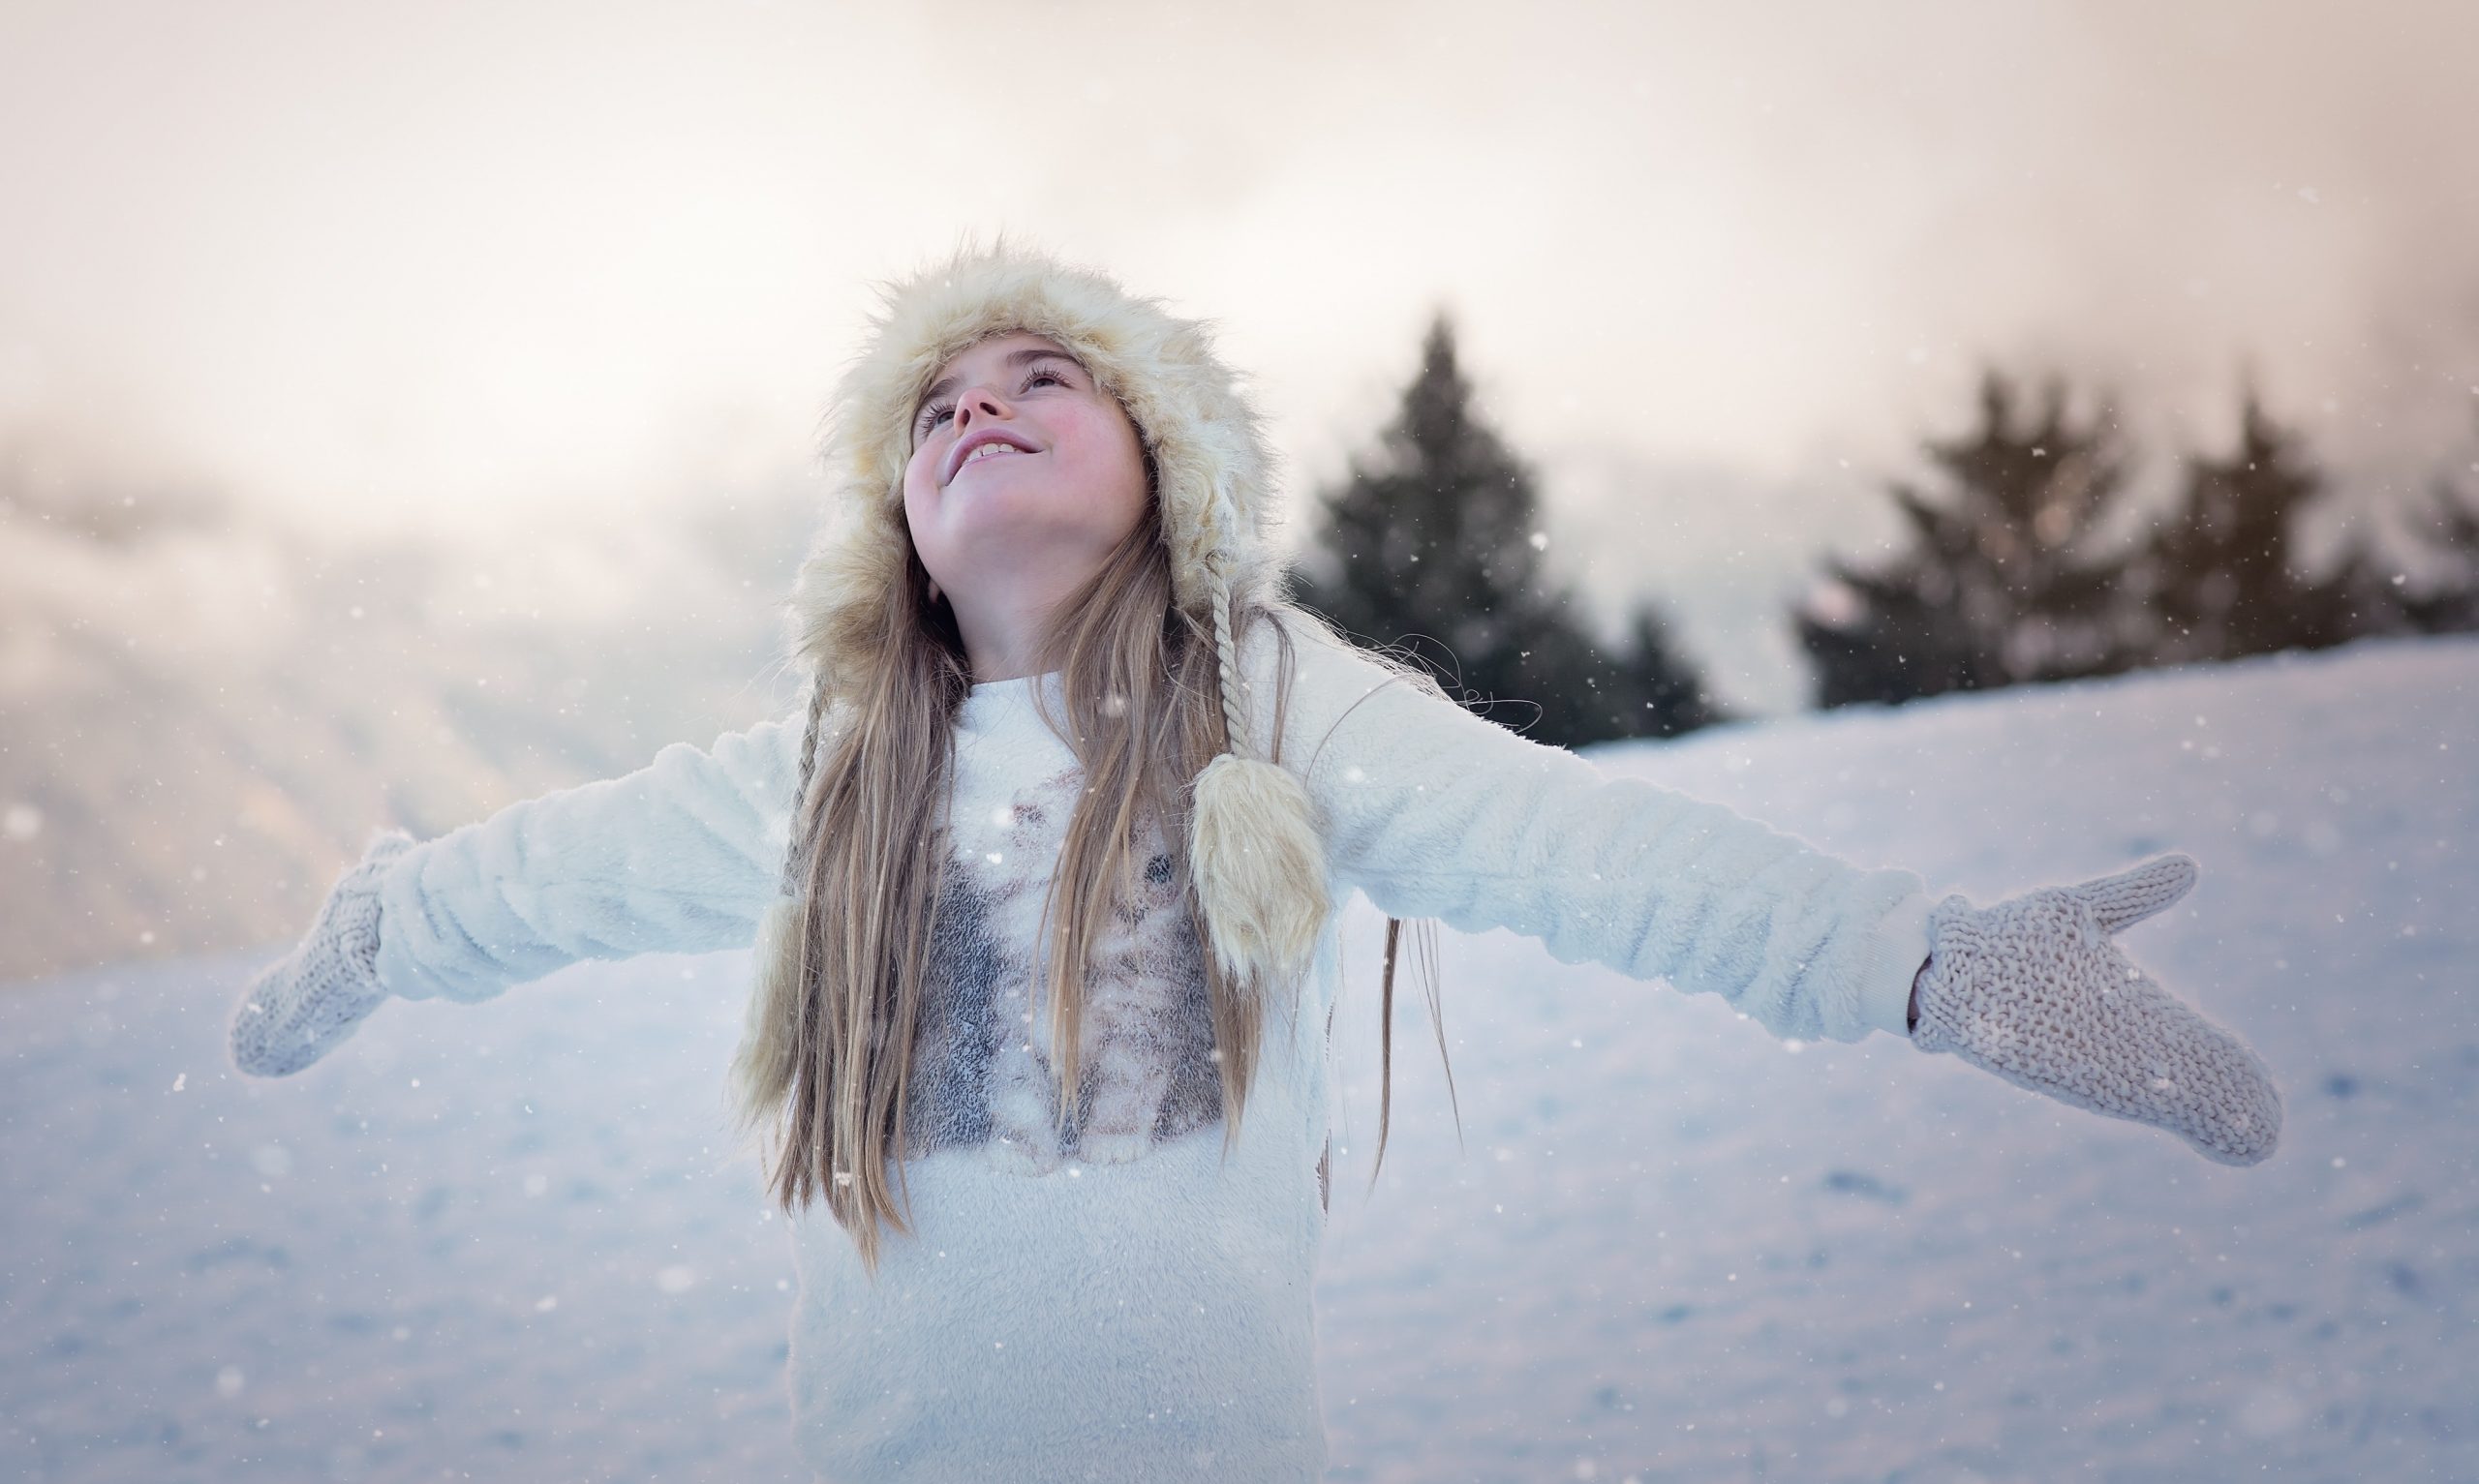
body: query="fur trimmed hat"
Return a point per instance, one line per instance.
(1253, 844)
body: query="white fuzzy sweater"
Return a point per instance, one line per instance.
(1113, 1300)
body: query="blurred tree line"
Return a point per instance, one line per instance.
(1432, 546)
(2008, 579)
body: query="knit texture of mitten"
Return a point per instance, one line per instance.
(298, 1009)
(2033, 990)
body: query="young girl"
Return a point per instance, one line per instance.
(1043, 880)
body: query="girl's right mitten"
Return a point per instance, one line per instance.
(2034, 990)
(299, 1009)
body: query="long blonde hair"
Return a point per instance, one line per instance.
(1141, 690)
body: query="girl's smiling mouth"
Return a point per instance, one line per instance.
(984, 443)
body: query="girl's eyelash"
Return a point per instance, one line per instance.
(931, 415)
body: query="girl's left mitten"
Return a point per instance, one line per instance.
(297, 1010)
(2036, 991)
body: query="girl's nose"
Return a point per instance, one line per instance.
(977, 402)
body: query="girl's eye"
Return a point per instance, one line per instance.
(938, 413)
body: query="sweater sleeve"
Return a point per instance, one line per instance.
(1432, 811)
(681, 856)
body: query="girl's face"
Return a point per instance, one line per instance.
(1023, 471)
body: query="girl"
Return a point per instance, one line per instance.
(1042, 882)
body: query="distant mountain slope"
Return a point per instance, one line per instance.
(201, 720)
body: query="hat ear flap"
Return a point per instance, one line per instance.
(1253, 843)
(1259, 868)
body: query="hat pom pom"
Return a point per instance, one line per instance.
(1260, 866)
(761, 1070)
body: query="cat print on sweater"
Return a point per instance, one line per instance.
(983, 1068)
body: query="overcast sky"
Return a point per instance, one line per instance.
(482, 268)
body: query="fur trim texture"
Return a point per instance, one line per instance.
(1260, 866)
(1213, 465)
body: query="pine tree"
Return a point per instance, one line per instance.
(1433, 547)
(2001, 584)
(1669, 692)
(1639, 687)
(2220, 577)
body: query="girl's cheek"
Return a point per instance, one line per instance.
(921, 476)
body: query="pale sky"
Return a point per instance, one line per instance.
(482, 268)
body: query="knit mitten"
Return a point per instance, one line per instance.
(296, 1011)
(2033, 990)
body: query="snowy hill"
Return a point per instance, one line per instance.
(502, 1242)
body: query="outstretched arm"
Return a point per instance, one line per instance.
(1433, 812)
(679, 856)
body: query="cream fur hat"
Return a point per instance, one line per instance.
(1253, 843)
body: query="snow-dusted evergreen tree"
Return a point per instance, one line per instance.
(2003, 584)
(1434, 546)
(2221, 575)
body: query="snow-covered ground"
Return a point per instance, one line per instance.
(505, 1242)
